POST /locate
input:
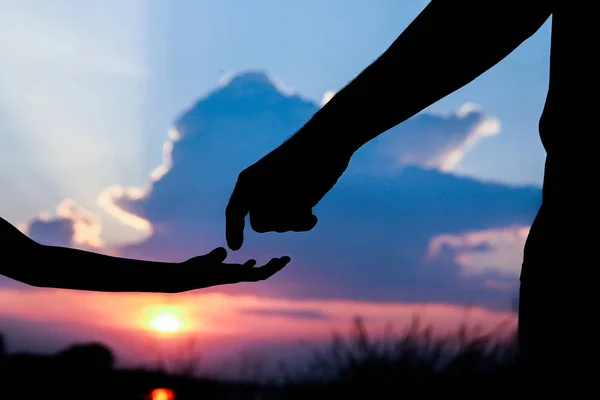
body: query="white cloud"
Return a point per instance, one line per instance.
(478, 252)
(181, 210)
(110, 197)
(71, 226)
(328, 95)
(451, 156)
(437, 141)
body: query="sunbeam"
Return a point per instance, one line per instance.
(73, 83)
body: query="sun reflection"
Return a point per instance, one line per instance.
(162, 394)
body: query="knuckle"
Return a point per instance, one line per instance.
(257, 222)
(244, 175)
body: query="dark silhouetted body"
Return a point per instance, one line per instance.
(448, 45)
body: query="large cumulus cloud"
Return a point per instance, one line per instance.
(398, 226)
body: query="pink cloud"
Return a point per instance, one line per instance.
(123, 321)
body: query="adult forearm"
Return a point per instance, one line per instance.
(448, 45)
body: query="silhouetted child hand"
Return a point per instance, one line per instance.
(38, 265)
(210, 270)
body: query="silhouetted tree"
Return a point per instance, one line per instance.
(2, 347)
(86, 358)
(2, 353)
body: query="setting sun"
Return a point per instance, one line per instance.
(166, 323)
(167, 319)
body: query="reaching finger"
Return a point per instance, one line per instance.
(235, 214)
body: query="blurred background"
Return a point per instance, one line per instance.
(124, 124)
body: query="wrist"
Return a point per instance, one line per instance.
(318, 138)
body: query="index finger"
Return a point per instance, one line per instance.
(235, 215)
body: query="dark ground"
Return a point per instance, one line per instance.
(466, 364)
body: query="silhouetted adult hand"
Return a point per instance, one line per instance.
(280, 190)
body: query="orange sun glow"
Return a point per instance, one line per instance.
(162, 394)
(166, 323)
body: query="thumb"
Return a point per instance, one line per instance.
(217, 255)
(305, 223)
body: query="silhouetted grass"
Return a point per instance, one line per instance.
(416, 358)
(461, 363)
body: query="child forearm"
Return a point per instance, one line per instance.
(65, 268)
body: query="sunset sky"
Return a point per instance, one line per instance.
(125, 123)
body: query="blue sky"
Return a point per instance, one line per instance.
(95, 72)
(96, 94)
(314, 46)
